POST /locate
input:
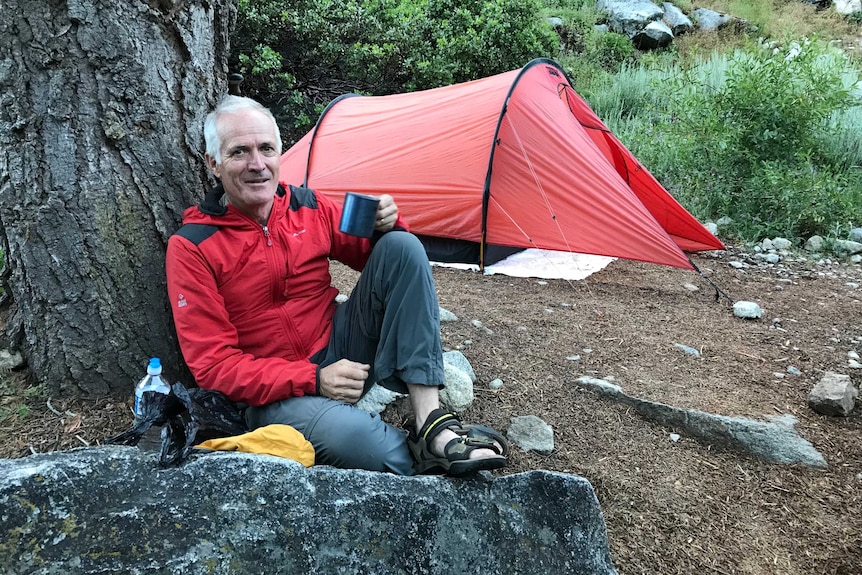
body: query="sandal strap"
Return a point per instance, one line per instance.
(437, 421)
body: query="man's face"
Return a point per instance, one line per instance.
(249, 161)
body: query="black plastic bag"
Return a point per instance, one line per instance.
(187, 417)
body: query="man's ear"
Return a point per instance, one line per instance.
(213, 166)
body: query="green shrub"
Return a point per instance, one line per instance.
(749, 136)
(609, 49)
(297, 56)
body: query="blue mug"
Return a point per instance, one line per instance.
(358, 215)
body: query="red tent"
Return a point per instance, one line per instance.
(517, 159)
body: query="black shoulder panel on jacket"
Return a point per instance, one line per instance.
(212, 205)
(302, 198)
(196, 233)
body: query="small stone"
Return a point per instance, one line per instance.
(531, 434)
(542, 282)
(778, 374)
(495, 384)
(737, 265)
(769, 258)
(814, 244)
(460, 361)
(688, 350)
(548, 310)
(852, 354)
(853, 364)
(793, 370)
(446, 315)
(747, 310)
(674, 437)
(691, 287)
(573, 358)
(457, 396)
(833, 395)
(781, 243)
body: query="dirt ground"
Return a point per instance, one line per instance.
(680, 507)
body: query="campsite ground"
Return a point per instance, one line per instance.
(671, 507)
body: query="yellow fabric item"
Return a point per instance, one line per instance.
(275, 439)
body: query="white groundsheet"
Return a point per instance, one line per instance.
(543, 264)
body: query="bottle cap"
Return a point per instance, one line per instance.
(155, 366)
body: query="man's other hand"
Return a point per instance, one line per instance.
(344, 379)
(387, 213)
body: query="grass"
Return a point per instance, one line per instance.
(16, 395)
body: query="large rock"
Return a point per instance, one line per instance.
(847, 7)
(629, 16)
(654, 35)
(708, 20)
(111, 510)
(676, 20)
(775, 440)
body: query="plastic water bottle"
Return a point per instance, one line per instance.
(153, 381)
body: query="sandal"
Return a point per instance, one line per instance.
(456, 459)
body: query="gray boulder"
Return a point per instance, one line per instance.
(676, 20)
(112, 510)
(775, 440)
(848, 7)
(708, 20)
(654, 35)
(846, 247)
(629, 16)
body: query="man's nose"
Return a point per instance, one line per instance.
(255, 161)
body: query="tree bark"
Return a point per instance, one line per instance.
(101, 121)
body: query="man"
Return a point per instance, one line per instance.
(256, 319)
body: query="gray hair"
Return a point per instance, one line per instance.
(228, 105)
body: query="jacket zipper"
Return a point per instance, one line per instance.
(267, 236)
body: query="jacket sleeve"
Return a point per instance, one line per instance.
(210, 343)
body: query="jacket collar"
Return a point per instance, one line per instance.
(214, 206)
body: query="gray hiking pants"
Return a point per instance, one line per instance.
(391, 321)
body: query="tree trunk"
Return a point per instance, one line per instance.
(101, 120)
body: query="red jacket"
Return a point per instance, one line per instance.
(252, 303)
